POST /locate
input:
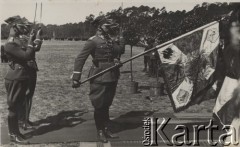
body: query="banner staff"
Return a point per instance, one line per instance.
(154, 48)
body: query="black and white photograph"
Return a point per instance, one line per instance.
(120, 73)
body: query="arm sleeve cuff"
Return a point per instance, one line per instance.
(38, 41)
(31, 46)
(76, 76)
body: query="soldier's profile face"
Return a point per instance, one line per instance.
(24, 29)
(110, 30)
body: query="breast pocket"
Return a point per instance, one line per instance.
(103, 50)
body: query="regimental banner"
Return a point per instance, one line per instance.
(189, 64)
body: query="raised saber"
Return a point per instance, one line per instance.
(34, 21)
(41, 14)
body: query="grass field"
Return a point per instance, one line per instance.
(54, 93)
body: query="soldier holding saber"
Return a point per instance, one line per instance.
(20, 51)
(24, 117)
(105, 50)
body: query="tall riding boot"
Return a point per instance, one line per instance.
(27, 125)
(107, 116)
(101, 136)
(110, 134)
(107, 132)
(100, 126)
(10, 130)
(16, 136)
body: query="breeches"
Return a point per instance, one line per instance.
(102, 94)
(16, 93)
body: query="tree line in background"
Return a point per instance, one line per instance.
(137, 22)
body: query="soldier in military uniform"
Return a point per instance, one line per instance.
(24, 116)
(105, 51)
(144, 42)
(152, 58)
(20, 55)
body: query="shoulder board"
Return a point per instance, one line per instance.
(91, 38)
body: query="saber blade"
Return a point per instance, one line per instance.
(41, 14)
(34, 21)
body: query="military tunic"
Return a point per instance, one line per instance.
(103, 54)
(16, 79)
(18, 54)
(30, 68)
(102, 88)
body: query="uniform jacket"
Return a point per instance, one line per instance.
(21, 58)
(103, 53)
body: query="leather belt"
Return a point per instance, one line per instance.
(12, 64)
(103, 60)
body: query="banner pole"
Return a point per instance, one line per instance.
(150, 50)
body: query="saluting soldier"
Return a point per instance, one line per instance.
(105, 50)
(17, 78)
(33, 69)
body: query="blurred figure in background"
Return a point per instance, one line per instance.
(227, 108)
(146, 58)
(151, 57)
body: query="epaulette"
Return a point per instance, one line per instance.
(91, 38)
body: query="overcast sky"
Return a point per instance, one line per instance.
(71, 11)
